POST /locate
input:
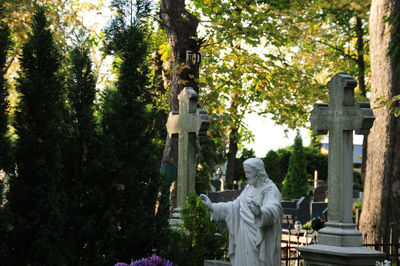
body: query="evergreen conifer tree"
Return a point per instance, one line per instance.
(295, 184)
(86, 208)
(6, 159)
(128, 122)
(34, 197)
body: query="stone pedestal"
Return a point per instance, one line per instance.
(340, 235)
(217, 263)
(175, 220)
(324, 255)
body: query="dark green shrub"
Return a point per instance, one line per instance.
(198, 239)
(316, 162)
(284, 157)
(208, 158)
(277, 163)
(357, 183)
(273, 168)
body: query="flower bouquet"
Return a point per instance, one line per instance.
(150, 261)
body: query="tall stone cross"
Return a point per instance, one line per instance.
(340, 118)
(188, 123)
(339, 242)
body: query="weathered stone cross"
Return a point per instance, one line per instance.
(340, 118)
(188, 123)
(339, 242)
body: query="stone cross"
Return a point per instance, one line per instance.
(340, 118)
(339, 242)
(188, 123)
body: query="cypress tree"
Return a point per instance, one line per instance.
(6, 159)
(81, 164)
(128, 120)
(295, 184)
(34, 197)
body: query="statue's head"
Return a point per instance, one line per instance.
(254, 169)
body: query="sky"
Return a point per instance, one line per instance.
(268, 136)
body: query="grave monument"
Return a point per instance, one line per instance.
(188, 123)
(340, 243)
(253, 219)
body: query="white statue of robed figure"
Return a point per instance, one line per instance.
(254, 219)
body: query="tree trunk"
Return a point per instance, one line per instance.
(364, 158)
(361, 85)
(360, 57)
(380, 214)
(231, 164)
(181, 29)
(233, 143)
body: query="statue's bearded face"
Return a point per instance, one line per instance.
(250, 174)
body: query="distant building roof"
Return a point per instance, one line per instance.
(357, 152)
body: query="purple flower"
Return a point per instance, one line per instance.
(121, 264)
(151, 261)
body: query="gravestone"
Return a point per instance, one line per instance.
(215, 185)
(320, 194)
(188, 123)
(340, 243)
(224, 196)
(299, 209)
(325, 214)
(318, 209)
(356, 194)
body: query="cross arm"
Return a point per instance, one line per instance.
(368, 118)
(320, 119)
(358, 117)
(202, 122)
(197, 122)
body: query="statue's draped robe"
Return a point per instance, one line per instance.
(253, 240)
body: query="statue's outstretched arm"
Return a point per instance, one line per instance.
(207, 202)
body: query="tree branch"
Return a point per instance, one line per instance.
(9, 64)
(342, 52)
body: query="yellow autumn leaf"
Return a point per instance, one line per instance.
(164, 51)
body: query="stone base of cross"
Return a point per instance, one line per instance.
(339, 242)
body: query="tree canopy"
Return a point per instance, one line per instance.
(274, 57)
